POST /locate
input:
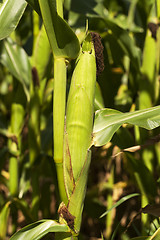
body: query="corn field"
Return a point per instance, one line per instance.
(79, 119)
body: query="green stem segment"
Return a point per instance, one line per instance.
(13, 172)
(158, 9)
(17, 118)
(59, 6)
(59, 101)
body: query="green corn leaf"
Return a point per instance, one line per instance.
(15, 59)
(11, 12)
(156, 236)
(148, 90)
(125, 41)
(98, 102)
(102, 236)
(37, 230)
(57, 28)
(143, 176)
(35, 5)
(141, 238)
(4, 214)
(108, 121)
(122, 200)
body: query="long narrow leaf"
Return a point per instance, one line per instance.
(125, 41)
(15, 59)
(108, 121)
(122, 200)
(156, 235)
(4, 214)
(39, 229)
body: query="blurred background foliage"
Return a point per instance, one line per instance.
(130, 81)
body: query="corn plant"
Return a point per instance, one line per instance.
(77, 127)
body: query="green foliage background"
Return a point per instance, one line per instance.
(130, 81)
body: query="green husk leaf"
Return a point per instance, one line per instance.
(79, 116)
(75, 205)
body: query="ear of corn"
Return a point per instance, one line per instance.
(79, 116)
(76, 201)
(78, 130)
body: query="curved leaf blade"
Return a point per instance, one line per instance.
(10, 13)
(39, 229)
(35, 5)
(63, 40)
(4, 214)
(98, 102)
(156, 235)
(125, 41)
(122, 200)
(16, 60)
(108, 121)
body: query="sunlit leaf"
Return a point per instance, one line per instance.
(143, 176)
(16, 60)
(98, 102)
(57, 28)
(4, 214)
(10, 13)
(39, 229)
(156, 235)
(108, 121)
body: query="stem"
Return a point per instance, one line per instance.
(109, 217)
(35, 27)
(17, 118)
(59, 102)
(59, 5)
(13, 172)
(158, 9)
(35, 194)
(34, 127)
